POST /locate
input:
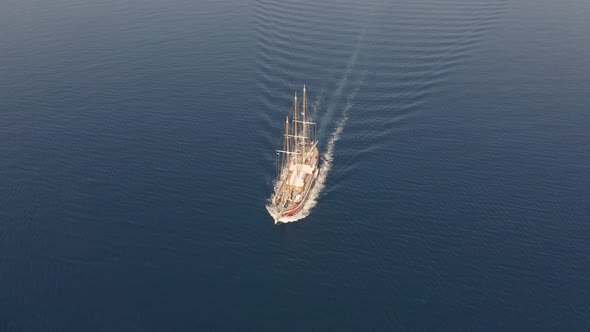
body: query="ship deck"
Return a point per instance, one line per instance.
(295, 186)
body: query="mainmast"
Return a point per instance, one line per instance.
(304, 131)
(295, 120)
(288, 156)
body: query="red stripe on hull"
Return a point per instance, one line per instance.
(294, 211)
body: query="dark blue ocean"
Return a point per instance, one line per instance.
(137, 158)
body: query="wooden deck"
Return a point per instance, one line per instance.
(289, 197)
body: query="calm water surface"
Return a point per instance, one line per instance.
(137, 157)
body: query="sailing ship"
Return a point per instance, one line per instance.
(297, 162)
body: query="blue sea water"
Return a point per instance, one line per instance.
(137, 157)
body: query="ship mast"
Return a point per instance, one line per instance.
(304, 131)
(295, 120)
(288, 157)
